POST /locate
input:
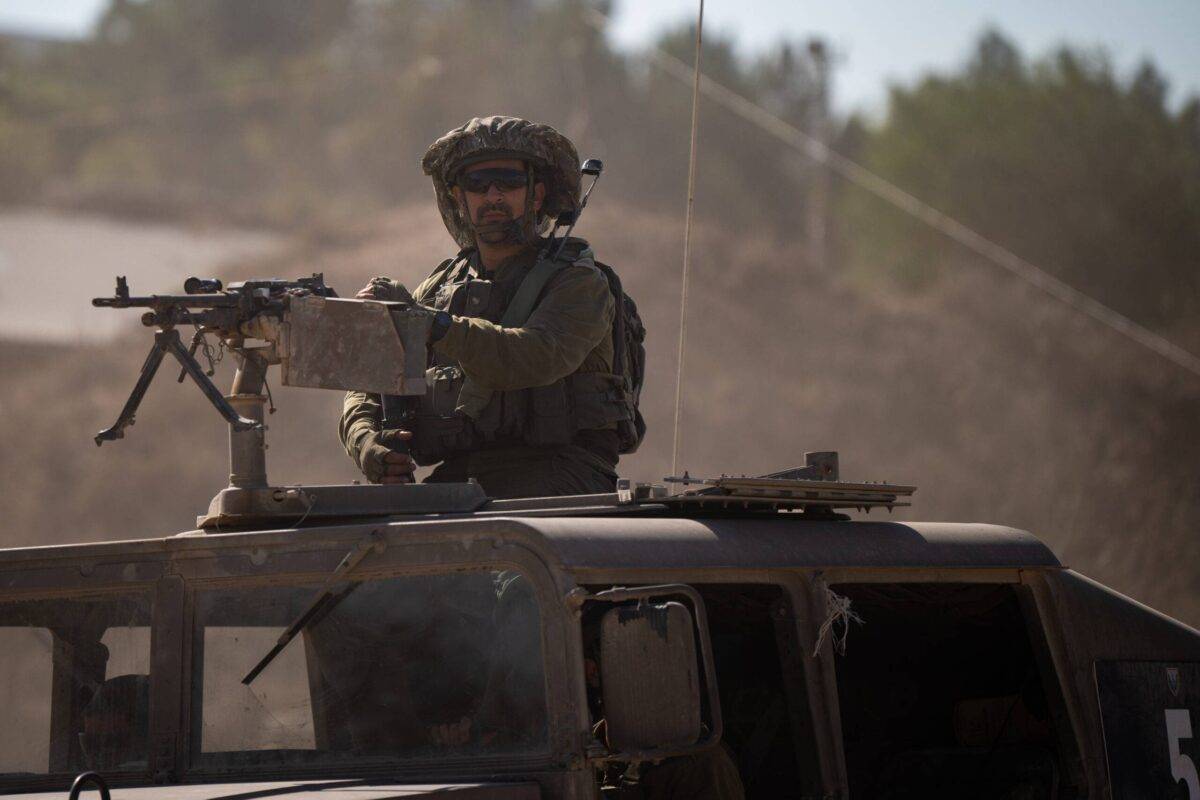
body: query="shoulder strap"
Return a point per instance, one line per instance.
(521, 307)
(618, 293)
(463, 260)
(442, 272)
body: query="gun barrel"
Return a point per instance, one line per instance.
(221, 300)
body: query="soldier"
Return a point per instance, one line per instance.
(522, 391)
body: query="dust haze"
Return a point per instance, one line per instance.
(999, 403)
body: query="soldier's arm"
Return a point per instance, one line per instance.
(574, 315)
(362, 415)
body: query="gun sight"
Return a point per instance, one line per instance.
(194, 285)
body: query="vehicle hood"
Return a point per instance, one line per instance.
(311, 790)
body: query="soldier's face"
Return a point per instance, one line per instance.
(493, 209)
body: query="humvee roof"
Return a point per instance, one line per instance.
(590, 542)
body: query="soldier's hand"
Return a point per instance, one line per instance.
(400, 468)
(398, 464)
(383, 288)
(384, 458)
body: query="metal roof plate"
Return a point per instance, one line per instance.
(782, 543)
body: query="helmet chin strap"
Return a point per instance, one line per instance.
(519, 230)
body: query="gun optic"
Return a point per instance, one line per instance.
(194, 285)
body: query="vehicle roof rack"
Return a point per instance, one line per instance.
(814, 489)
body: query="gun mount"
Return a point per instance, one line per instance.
(319, 341)
(208, 308)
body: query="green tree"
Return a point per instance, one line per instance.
(1068, 165)
(287, 110)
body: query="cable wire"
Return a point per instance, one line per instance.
(920, 210)
(687, 241)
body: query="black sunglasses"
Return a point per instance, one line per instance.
(480, 180)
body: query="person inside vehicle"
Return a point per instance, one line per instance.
(449, 662)
(116, 723)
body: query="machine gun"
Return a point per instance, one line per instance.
(317, 339)
(210, 308)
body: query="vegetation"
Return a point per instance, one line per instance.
(1060, 160)
(295, 112)
(999, 405)
(303, 112)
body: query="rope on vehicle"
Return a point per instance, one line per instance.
(837, 609)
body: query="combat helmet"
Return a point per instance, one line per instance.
(550, 155)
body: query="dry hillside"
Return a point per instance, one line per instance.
(999, 404)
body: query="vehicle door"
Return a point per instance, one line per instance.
(1135, 674)
(945, 685)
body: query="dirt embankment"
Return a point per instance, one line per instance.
(53, 263)
(998, 403)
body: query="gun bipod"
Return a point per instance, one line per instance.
(167, 341)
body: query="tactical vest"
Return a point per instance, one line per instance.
(545, 416)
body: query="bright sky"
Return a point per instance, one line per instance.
(882, 41)
(876, 41)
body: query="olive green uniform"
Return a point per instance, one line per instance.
(566, 341)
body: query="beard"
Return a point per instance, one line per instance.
(491, 228)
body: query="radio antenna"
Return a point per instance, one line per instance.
(687, 241)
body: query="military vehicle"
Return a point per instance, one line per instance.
(369, 642)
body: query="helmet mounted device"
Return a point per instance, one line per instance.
(592, 167)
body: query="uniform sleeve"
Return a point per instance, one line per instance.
(361, 415)
(573, 317)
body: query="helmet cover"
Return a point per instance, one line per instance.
(548, 152)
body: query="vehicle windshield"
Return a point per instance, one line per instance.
(74, 684)
(404, 667)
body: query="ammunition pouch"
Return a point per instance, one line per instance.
(541, 416)
(544, 416)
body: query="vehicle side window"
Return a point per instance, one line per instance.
(74, 685)
(26, 668)
(941, 695)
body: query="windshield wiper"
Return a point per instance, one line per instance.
(322, 601)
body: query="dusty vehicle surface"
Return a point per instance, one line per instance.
(387, 641)
(457, 653)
